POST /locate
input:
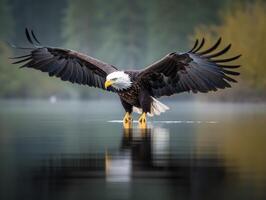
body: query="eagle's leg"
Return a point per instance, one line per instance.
(127, 121)
(143, 121)
(145, 103)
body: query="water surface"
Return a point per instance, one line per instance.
(79, 150)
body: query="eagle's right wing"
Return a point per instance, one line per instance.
(67, 64)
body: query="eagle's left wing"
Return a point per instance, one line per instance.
(195, 70)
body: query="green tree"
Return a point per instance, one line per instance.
(126, 34)
(44, 17)
(24, 83)
(6, 23)
(113, 32)
(170, 22)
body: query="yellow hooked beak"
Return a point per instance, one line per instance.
(108, 83)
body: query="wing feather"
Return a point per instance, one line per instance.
(195, 46)
(211, 49)
(58, 66)
(200, 46)
(219, 53)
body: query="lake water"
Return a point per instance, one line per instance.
(79, 150)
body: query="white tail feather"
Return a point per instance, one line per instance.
(156, 108)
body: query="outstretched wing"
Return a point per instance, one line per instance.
(195, 70)
(67, 64)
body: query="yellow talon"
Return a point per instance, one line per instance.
(143, 121)
(127, 121)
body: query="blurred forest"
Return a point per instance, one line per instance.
(131, 34)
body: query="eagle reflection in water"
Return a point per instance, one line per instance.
(143, 161)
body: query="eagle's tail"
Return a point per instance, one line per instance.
(157, 108)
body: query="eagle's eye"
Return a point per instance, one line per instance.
(114, 79)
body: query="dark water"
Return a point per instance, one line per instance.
(77, 150)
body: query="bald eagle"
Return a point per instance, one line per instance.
(196, 70)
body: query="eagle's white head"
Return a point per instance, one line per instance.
(119, 80)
